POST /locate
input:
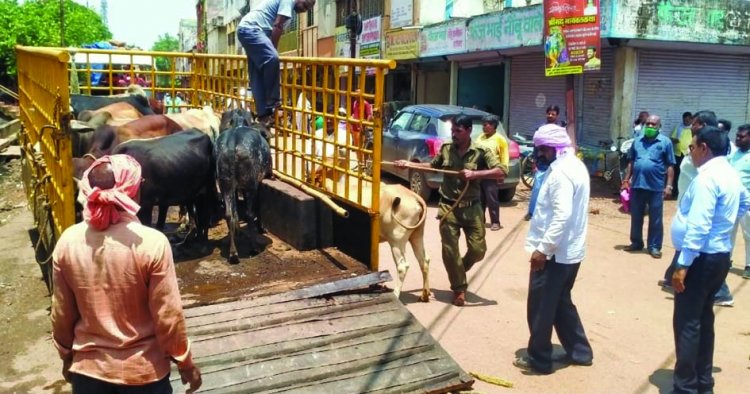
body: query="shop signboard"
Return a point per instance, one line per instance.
(706, 21)
(402, 44)
(443, 39)
(402, 13)
(511, 28)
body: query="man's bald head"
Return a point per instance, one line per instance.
(653, 120)
(102, 176)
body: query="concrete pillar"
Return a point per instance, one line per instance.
(625, 80)
(453, 91)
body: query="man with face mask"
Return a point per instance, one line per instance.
(650, 161)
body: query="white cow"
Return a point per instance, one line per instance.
(402, 220)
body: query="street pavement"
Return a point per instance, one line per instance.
(627, 317)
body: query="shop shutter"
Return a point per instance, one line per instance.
(670, 83)
(531, 92)
(596, 108)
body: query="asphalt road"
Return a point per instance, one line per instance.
(627, 317)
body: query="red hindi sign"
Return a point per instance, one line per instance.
(571, 37)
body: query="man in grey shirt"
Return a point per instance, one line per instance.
(259, 32)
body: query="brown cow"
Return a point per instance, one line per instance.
(402, 220)
(115, 114)
(107, 137)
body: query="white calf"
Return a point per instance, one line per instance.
(402, 219)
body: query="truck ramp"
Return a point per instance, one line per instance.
(344, 336)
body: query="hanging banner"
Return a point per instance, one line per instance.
(572, 41)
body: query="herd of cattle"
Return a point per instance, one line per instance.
(183, 156)
(187, 157)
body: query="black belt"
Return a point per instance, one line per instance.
(461, 204)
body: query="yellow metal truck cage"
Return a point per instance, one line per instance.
(347, 172)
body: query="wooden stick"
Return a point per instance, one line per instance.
(427, 169)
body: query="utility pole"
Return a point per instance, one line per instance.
(62, 23)
(353, 26)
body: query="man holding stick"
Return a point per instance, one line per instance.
(459, 207)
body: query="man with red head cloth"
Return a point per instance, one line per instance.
(116, 312)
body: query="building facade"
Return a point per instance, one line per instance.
(661, 56)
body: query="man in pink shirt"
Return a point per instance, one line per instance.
(116, 311)
(360, 105)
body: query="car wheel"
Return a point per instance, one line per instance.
(418, 184)
(506, 195)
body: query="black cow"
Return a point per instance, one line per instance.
(81, 103)
(177, 169)
(243, 160)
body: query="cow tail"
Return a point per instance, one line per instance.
(396, 203)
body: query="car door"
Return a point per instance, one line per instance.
(391, 138)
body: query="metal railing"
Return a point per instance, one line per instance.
(327, 160)
(45, 141)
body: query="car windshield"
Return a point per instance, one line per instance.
(444, 129)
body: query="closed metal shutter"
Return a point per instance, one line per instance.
(670, 83)
(531, 93)
(596, 108)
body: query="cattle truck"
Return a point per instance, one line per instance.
(317, 321)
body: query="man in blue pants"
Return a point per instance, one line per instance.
(650, 161)
(259, 32)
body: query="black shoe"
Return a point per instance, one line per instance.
(565, 359)
(632, 248)
(655, 253)
(526, 364)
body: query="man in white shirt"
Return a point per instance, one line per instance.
(556, 239)
(259, 32)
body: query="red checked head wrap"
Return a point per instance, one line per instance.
(103, 207)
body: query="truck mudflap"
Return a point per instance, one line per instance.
(344, 336)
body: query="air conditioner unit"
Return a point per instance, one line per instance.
(217, 21)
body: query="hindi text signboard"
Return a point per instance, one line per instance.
(572, 41)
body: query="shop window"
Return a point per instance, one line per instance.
(371, 8)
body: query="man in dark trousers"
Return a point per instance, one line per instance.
(557, 241)
(701, 230)
(459, 207)
(650, 161)
(259, 32)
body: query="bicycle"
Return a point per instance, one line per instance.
(528, 167)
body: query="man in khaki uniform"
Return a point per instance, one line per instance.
(473, 163)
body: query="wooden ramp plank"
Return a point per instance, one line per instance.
(319, 290)
(296, 342)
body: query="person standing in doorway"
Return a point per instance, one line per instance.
(496, 144)
(259, 32)
(459, 207)
(117, 318)
(553, 113)
(650, 160)
(701, 230)
(681, 137)
(557, 243)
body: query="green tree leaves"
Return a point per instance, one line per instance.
(37, 23)
(165, 43)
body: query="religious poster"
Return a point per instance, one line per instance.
(572, 43)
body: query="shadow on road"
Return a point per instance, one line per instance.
(662, 380)
(472, 299)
